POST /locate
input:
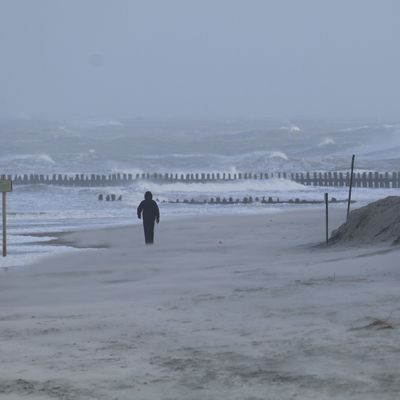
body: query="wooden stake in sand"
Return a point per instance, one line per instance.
(327, 217)
(5, 186)
(351, 185)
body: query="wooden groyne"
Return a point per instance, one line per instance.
(250, 200)
(333, 179)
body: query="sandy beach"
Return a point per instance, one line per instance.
(230, 307)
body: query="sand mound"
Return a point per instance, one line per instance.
(376, 222)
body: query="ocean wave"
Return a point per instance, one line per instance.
(327, 142)
(291, 128)
(105, 122)
(278, 154)
(63, 130)
(39, 158)
(256, 161)
(216, 156)
(175, 155)
(270, 185)
(354, 128)
(246, 158)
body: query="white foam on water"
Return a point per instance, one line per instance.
(104, 122)
(244, 186)
(291, 128)
(327, 142)
(278, 154)
(35, 158)
(63, 130)
(354, 128)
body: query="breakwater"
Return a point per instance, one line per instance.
(251, 200)
(334, 179)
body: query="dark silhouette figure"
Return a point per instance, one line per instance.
(149, 209)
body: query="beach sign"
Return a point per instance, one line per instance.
(5, 186)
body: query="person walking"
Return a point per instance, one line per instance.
(148, 208)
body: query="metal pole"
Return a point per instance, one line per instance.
(351, 185)
(4, 210)
(327, 218)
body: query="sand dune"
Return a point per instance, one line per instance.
(376, 222)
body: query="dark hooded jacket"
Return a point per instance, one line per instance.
(149, 208)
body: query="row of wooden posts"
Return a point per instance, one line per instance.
(333, 179)
(250, 199)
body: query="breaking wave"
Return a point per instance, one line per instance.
(327, 142)
(355, 128)
(222, 187)
(224, 162)
(38, 158)
(291, 128)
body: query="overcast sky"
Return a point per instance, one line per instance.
(200, 57)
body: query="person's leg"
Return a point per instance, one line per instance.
(148, 231)
(151, 232)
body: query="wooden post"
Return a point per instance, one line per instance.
(5, 186)
(327, 218)
(4, 210)
(351, 185)
(394, 180)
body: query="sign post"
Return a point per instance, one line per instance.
(5, 186)
(351, 185)
(326, 219)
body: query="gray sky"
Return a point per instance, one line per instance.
(200, 57)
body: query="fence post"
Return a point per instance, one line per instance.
(351, 185)
(4, 224)
(5, 186)
(327, 218)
